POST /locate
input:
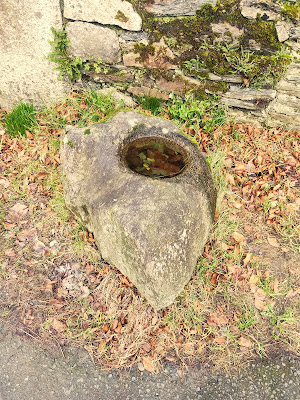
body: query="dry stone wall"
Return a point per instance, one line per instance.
(244, 51)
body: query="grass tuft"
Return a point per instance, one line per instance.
(21, 119)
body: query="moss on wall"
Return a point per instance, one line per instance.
(192, 38)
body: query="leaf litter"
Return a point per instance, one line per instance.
(241, 301)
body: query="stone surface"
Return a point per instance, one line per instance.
(268, 10)
(285, 109)
(88, 40)
(134, 36)
(295, 33)
(118, 96)
(249, 99)
(25, 74)
(176, 7)
(147, 91)
(227, 31)
(282, 30)
(106, 12)
(162, 57)
(152, 230)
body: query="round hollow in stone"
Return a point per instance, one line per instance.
(154, 157)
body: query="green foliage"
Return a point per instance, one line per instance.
(194, 64)
(68, 66)
(59, 55)
(21, 119)
(224, 58)
(80, 109)
(290, 10)
(194, 113)
(153, 104)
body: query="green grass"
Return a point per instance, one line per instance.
(21, 119)
(195, 113)
(153, 104)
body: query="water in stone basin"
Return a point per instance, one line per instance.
(154, 159)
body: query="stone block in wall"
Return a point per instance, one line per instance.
(106, 12)
(283, 30)
(25, 73)
(178, 86)
(176, 7)
(146, 91)
(290, 83)
(88, 40)
(159, 56)
(268, 10)
(248, 99)
(111, 77)
(227, 31)
(295, 33)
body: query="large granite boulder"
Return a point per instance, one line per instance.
(152, 228)
(25, 73)
(106, 12)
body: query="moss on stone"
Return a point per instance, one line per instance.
(188, 35)
(290, 10)
(121, 16)
(144, 51)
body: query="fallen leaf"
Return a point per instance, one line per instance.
(220, 340)
(10, 253)
(101, 345)
(197, 304)
(115, 324)
(238, 237)
(58, 325)
(39, 247)
(29, 135)
(4, 183)
(292, 293)
(247, 259)
(19, 209)
(245, 342)
(147, 363)
(42, 175)
(273, 242)
(260, 303)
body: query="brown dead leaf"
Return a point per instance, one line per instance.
(19, 209)
(220, 340)
(273, 242)
(259, 302)
(147, 363)
(247, 259)
(238, 237)
(29, 135)
(292, 293)
(10, 253)
(42, 175)
(245, 342)
(115, 324)
(4, 183)
(197, 304)
(58, 325)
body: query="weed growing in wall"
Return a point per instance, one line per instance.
(21, 119)
(68, 66)
(59, 55)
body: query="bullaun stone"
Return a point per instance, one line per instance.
(152, 229)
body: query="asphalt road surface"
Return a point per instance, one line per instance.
(28, 372)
